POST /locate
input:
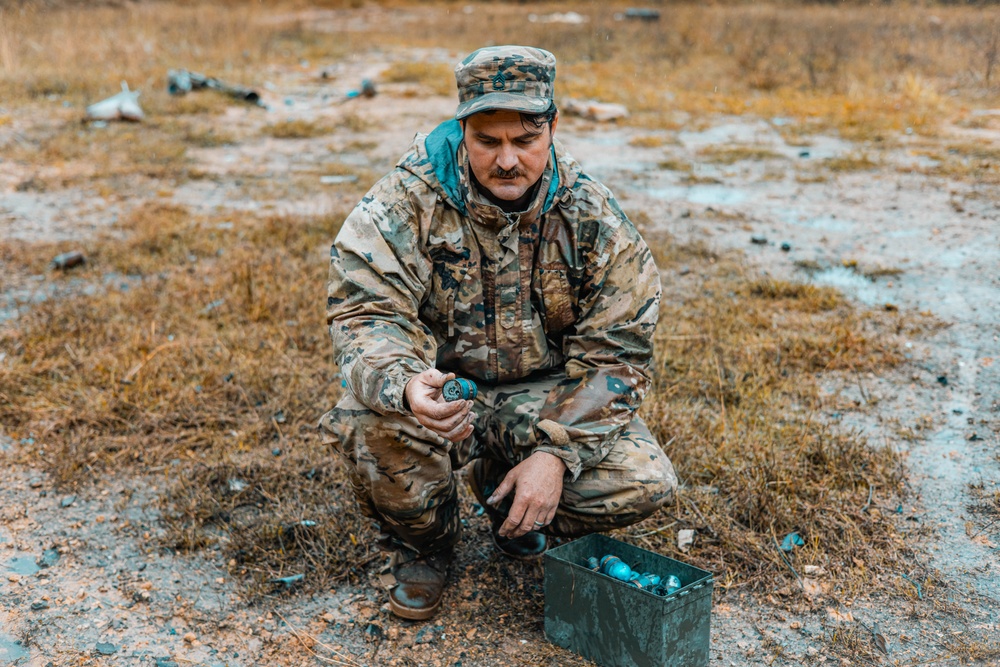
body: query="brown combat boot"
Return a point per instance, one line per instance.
(529, 546)
(419, 584)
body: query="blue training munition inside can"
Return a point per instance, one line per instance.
(459, 389)
(616, 569)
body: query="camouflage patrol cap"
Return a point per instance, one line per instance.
(518, 78)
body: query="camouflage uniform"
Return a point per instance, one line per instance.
(551, 311)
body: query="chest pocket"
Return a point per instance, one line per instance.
(555, 296)
(439, 309)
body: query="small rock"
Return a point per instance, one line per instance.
(373, 632)
(49, 558)
(165, 662)
(35, 482)
(803, 154)
(67, 501)
(190, 637)
(685, 538)
(39, 606)
(786, 246)
(428, 635)
(106, 648)
(758, 239)
(276, 451)
(943, 380)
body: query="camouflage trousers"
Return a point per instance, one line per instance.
(403, 476)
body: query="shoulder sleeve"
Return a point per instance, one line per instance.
(378, 278)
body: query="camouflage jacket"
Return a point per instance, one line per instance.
(426, 272)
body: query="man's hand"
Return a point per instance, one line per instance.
(452, 420)
(537, 482)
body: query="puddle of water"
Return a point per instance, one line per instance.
(701, 194)
(23, 565)
(10, 651)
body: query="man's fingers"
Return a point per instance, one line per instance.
(501, 491)
(459, 432)
(444, 409)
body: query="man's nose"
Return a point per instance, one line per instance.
(506, 157)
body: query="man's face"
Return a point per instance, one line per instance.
(506, 155)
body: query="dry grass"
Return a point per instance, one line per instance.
(866, 71)
(857, 161)
(433, 78)
(298, 129)
(211, 368)
(734, 154)
(737, 400)
(979, 163)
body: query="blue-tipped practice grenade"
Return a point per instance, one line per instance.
(616, 569)
(459, 389)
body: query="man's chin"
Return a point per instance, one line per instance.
(507, 192)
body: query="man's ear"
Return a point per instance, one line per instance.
(552, 125)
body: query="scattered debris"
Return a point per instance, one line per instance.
(791, 541)
(236, 485)
(123, 106)
(337, 179)
(685, 538)
(571, 18)
(68, 260)
(594, 110)
(39, 606)
(218, 303)
(367, 90)
(757, 239)
(638, 14)
(288, 581)
(803, 154)
(786, 246)
(182, 82)
(373, 632)
(67, 501)
(943, 380)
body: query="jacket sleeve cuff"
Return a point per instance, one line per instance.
(395, 393)
(553, 439)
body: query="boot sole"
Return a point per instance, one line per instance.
(411, 614)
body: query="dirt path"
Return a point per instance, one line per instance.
(107, 596)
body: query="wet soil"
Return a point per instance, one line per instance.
(887, 236)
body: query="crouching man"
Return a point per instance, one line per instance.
(489, 254)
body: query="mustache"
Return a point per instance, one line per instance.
(499, 172)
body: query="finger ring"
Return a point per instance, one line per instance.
(539, 523)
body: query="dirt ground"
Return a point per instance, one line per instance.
(84, 584)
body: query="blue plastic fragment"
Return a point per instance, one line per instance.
(791, 541)
(288, 581)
